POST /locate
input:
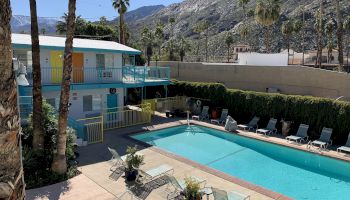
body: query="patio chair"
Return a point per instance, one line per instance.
(301, 134)
(152, 174)
(223, 195)
(325, 139)
(253, 124)
(270, 128)
(119, 162)
(222, 119)
(180, 186)
(346, 147)
(204, 114)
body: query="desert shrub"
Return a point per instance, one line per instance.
(37, 164)
(243, 105)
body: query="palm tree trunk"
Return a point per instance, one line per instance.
(340, 33)
(12, 186)
(38, 133)
(267, 42)
(228, 53)
(59, 164)
(121, 28)
(320, 35)
(206, 45)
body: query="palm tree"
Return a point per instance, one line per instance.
(172, 27)
(198, 29)
(228, 42)
(267, 12)
(147, 38)
(340, 35)
(346, 27)
(159, 35)
(59, 164)
(183, 47)
(287, 31)
(329, 31)
(122, 7)
(38, 132)
(297, 28)
(243, 4)
(12, 186)
(319, 29)
(244, 30)
(81, 24)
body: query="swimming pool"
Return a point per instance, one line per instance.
(294, 173)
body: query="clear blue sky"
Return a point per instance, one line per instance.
(92, 9)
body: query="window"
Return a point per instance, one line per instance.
(87, 103)
(92, 103)
(54, 102)
(100, 60)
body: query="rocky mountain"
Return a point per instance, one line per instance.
(225, 15)
(140, 13)
(20, 24)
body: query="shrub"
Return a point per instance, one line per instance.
(37, 164)
(243, 105)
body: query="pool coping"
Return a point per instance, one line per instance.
(227, 177)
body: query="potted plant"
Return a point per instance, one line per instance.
(192, 189)
(133, 162)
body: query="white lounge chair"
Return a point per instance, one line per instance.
(180, 186)
(301, 134)
(325, 139)
(118, 161)
(223, 195)
(253, 124)
(152, 174)
(222, 119)
(346, 147)
(204, 114)
(270, 128)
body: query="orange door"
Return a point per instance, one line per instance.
(78, 67)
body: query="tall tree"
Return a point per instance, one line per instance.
(267, 12)
(183, 47)
(59, 163)
(147, 38)
(159, 35)
(228, 42)
(287, 31)
(38, 132)
(319, 29)
(199, 29)
(122, 7)
(329, 31)
(244, 26)
(12, 186)
(340, 35)
(346, 27)
(172, 21)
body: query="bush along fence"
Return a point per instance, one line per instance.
(243, 105)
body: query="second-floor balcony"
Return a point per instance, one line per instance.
(91, 75)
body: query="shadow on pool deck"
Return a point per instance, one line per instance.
(116, 139)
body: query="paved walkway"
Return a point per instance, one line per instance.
(79, 187)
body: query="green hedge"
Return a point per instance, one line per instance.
(243, 105)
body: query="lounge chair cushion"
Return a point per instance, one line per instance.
(293, 138)
(236, 196)
(319, 143)
(344, 148)
(162, 169)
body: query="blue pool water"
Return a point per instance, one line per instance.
(294, 173)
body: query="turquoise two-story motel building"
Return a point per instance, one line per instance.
(104, 73)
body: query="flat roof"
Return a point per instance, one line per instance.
(58, 43)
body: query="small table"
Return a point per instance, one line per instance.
(206, 191)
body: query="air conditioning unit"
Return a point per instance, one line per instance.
(273, 90)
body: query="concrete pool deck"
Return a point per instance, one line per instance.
(94, 163)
